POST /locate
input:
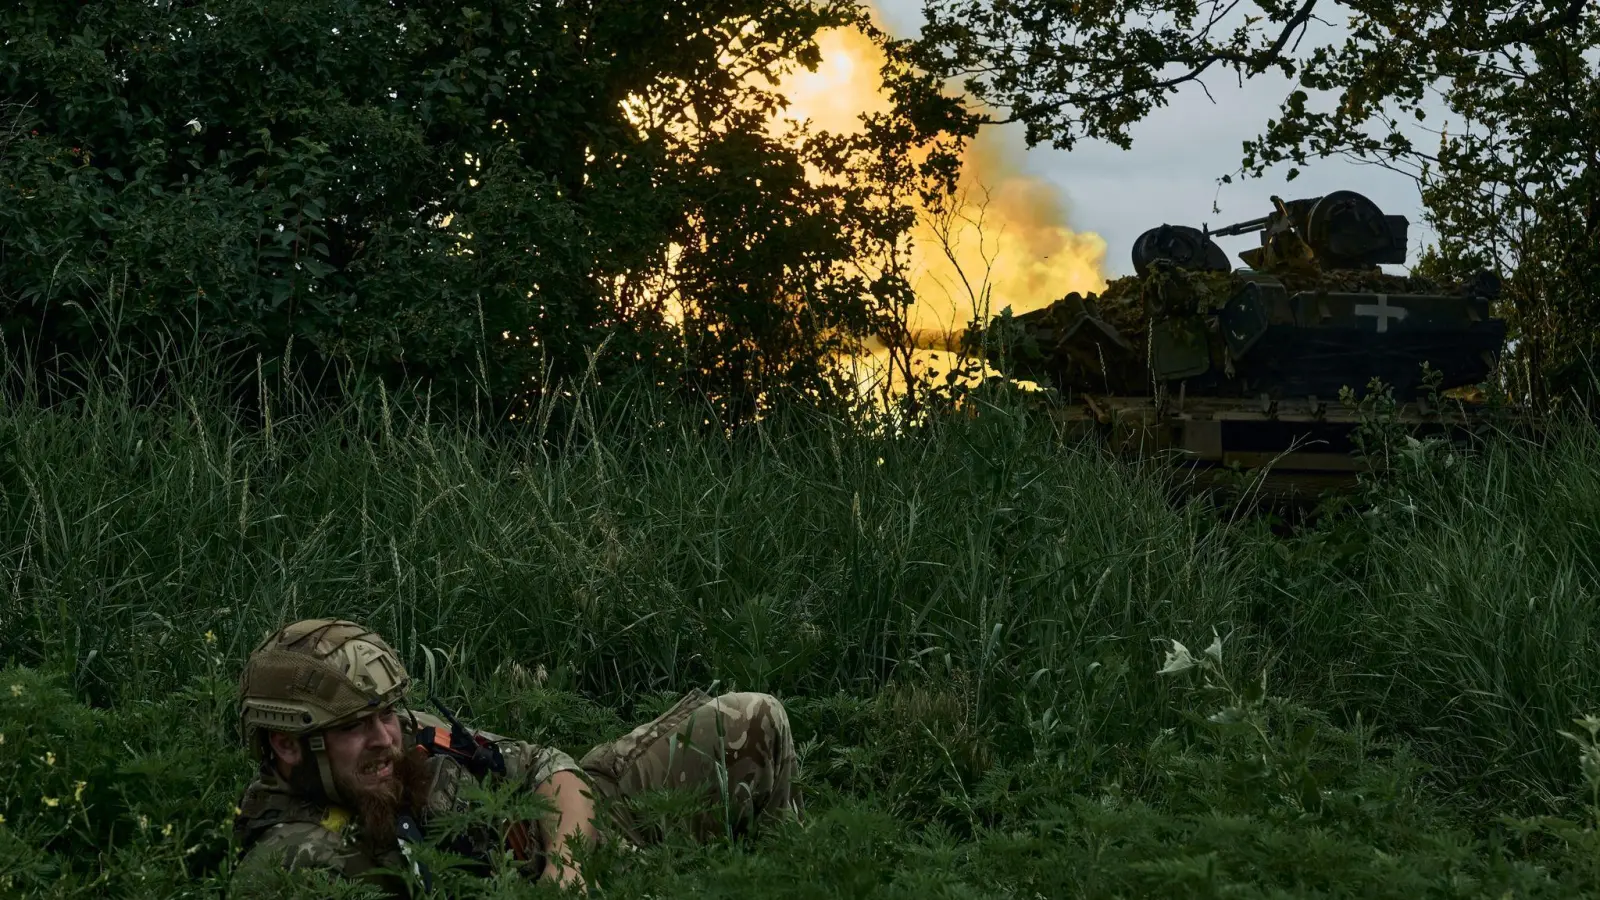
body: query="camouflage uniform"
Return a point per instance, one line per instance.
(736, 750)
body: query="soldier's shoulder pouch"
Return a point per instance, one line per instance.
(449, 739)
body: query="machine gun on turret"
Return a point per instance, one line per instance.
(1341, 230)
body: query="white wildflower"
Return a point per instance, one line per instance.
(1179, 659)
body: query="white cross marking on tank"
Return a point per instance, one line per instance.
(1383, 311)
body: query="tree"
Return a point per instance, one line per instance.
(1519, 192)
(1515, 186)
(477, 196)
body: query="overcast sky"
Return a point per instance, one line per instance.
(1170, 174)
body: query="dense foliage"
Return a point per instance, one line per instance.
(969, 622)
(481, 195)
(1512, 183)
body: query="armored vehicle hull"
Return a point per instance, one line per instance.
(1246, 368)
(1296, 449)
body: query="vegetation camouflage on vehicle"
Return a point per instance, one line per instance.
(1313, 313)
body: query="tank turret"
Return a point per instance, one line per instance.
(1342, 230)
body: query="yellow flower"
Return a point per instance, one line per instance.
(16, 690)
(51, 802)
(144, 821)
(211, 637)
(2, 819)
(49, 757)
(166, 830)
(77, 793)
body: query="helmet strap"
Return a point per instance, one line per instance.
(319, 754)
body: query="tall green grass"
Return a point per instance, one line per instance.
(966, 620)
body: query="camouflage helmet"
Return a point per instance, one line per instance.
(315, 674)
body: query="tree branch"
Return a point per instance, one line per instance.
(1518, 32)
(1258, 62)
(1567, 17)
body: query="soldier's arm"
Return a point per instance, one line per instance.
(557, 777)
(574, 817)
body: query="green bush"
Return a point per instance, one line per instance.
(480, 197)
(131, 801)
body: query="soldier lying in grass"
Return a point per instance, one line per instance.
(350, 778)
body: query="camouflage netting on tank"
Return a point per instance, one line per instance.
(1066, 344)
(1122, 305)
(1361, 281)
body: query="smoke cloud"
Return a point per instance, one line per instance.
(1007, 242)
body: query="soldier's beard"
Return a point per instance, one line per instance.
(379, 805)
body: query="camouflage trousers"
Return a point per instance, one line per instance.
(734, 752)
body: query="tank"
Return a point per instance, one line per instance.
(1246, 365)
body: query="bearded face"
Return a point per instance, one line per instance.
(363, 754)
(381, 791)
(373, 775)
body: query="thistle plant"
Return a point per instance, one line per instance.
(1589, 760)
(1265, 743)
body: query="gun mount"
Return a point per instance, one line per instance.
(1342, 230)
